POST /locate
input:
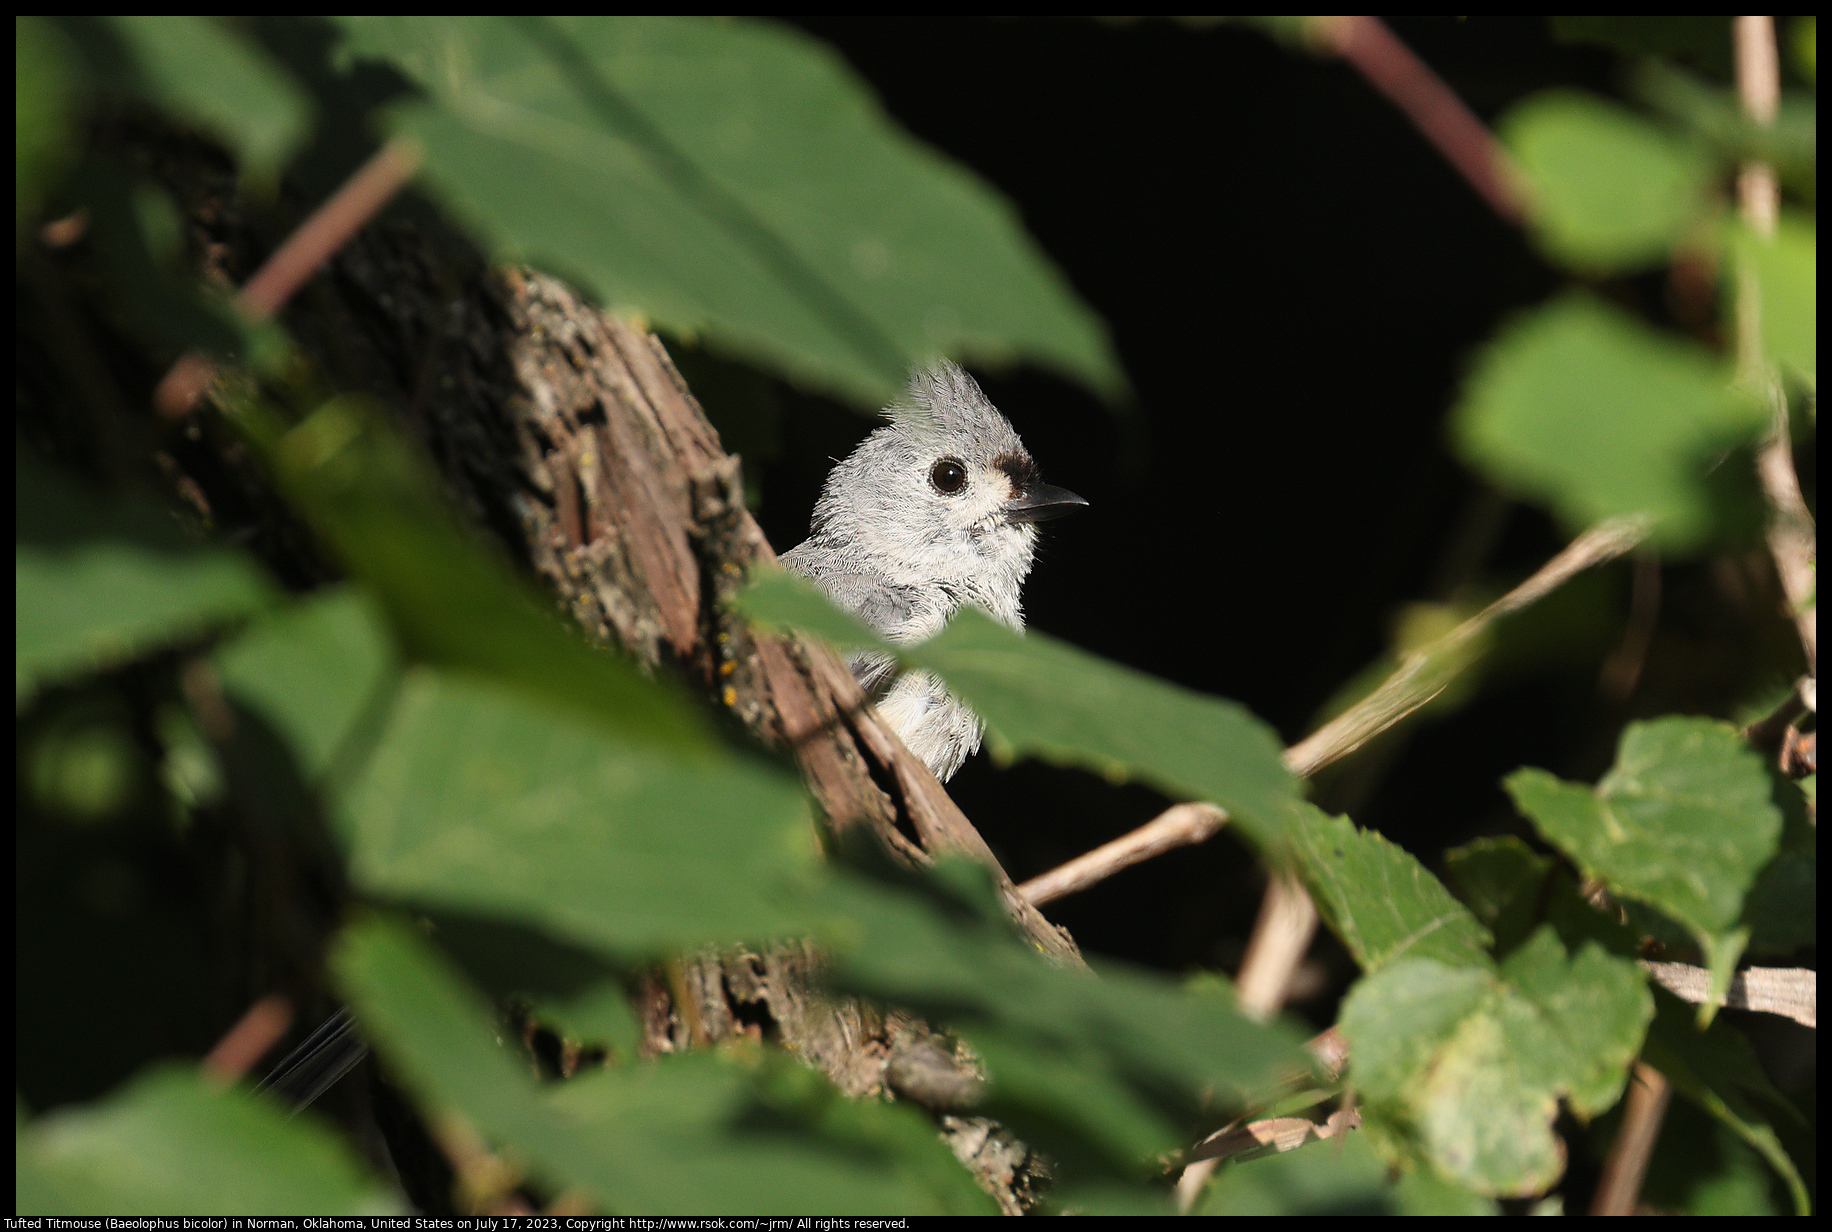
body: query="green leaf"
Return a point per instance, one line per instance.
(1782, 908)
(101, 581)
(1514, 890)
(1466, 1066)
(1683, 822)
(1381, 901)
(575, 991)
(1608, 191)
(694, 1135)
(1105, 1070)
(1702, 1167)
(480, 799)
(313, 670)
(202, 73)
(169, 1143)
(1599, 416)
(1717, 1069)
(1420, 1191)
(1500, 880)
(1712, 117)
(44, 94)
(1786, 270)
(1341, 1177)
(448, 598)
(731, 178)
(1044, 698)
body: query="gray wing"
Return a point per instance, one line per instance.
(884, 606)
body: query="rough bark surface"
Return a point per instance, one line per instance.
(570, 436)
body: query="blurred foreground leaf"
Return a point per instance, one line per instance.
(1599, 416)
(1105, 1070)
(1786, 269)
(1340, 1177)
(731, 177)
(449, 600)
(100, 581)
(1607, 190)
(1044, 698)
(312, 670)
(699, 1134)
(200, 72)
(1683, 822)
(171, 1144)
(1466, 1066)
(480, 799)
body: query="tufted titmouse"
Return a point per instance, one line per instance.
(934, 510)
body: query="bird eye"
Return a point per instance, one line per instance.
(948, 476)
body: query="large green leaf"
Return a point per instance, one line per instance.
(732, 178)
(172, 1144)
(99, 581)
(200, 72)
(478, 798)
(1106, 1069)
(1467, 1065)
(1585, 408)
(1683, 821)
(1717, 1069)
(1786, 269)
(1607, 190)
(313, 670)
(1044, 698)
(1381, 901)
(448, 598)
(694, 1135)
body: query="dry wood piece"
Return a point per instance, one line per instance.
(1627, 1163)
(1792, 992)
(1273, 1135)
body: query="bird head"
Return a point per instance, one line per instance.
(944, 494)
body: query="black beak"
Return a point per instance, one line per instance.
(1041, 502)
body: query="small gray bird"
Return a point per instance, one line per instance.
(934, 510)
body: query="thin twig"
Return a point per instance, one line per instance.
(1427, 671)
(1791, 535)
(1791, 992)
(1282, 933)
(1178, 826)
(303, 253)
(249, 1039)
(1441, 117)
(1619, 1188)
